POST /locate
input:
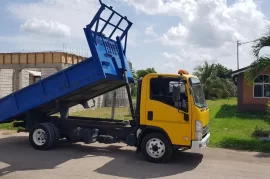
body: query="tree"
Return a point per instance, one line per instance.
(261, 63)
(204, 72)
(215, 81)
(143, 72)
(134, 85)
(222, 71)
(137, 75)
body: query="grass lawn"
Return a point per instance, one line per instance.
(120, 113)
(7, 126)
(229, 128)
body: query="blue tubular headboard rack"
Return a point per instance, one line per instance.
(92, 32)
(107, 49)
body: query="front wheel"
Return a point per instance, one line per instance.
(156, 148)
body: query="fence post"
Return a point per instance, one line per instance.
(113, 105)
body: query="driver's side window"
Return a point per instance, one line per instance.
(164, 90)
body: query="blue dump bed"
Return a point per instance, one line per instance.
(106, 70)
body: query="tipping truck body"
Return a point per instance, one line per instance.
(171, 112)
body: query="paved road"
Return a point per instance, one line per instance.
(71, 161)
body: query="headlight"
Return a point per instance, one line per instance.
(199, 126)
(199, 130)
(198, 136)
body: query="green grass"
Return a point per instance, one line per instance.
(120, 113)
(233, 130)
(7, 126)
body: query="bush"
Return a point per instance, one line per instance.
(259, 132)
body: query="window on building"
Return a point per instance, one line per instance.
(262, 86)
(161, 89)
(37, 78)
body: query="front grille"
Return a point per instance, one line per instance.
(205, 130)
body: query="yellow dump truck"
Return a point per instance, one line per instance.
(171, 112)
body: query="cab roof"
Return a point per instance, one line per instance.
(186, 76)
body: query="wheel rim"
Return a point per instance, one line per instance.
(39, 137)
(155, 148)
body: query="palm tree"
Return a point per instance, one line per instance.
(261, 63)
(205, 71)
(213, 85)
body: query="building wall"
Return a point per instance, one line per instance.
(45, 72)
(25, 78)
(39, 58)
(121, 98)
(246, 101)
(6, 82)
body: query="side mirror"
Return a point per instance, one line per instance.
(176, 96)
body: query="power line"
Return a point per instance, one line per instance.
(238, 43)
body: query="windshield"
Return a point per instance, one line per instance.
(197, 93)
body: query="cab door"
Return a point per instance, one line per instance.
(164, 112)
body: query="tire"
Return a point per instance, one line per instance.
(156, 148)
(42, 136)
(56, 132)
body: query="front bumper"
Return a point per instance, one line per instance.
(196, 146)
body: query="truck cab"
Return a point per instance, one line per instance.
(172, 109)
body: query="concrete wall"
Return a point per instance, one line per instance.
(6, 82)
(121, 98)
(45, 72)
(27, 79)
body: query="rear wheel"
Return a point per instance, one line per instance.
(156, 148)
(42, 136)
(56, 132)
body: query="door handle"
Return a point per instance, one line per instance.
(150, 115)
(186, 117)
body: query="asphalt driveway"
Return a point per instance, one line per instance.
(19, 160)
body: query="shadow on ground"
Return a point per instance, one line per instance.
(263, 155)
(17, 153)
(247, 145)
(230, 111)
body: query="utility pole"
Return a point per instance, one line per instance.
(238, 43)
(113, 105)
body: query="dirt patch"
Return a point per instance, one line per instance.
(6, 133)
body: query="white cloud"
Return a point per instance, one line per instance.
(182, 8)
(52, 18)
(216, 23)
(175, 35)
(35, 43)
(172, 56)
(42, 27)
(75, 14)
(150, 31)
(208, 30)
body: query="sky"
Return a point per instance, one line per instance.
(166, 34)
